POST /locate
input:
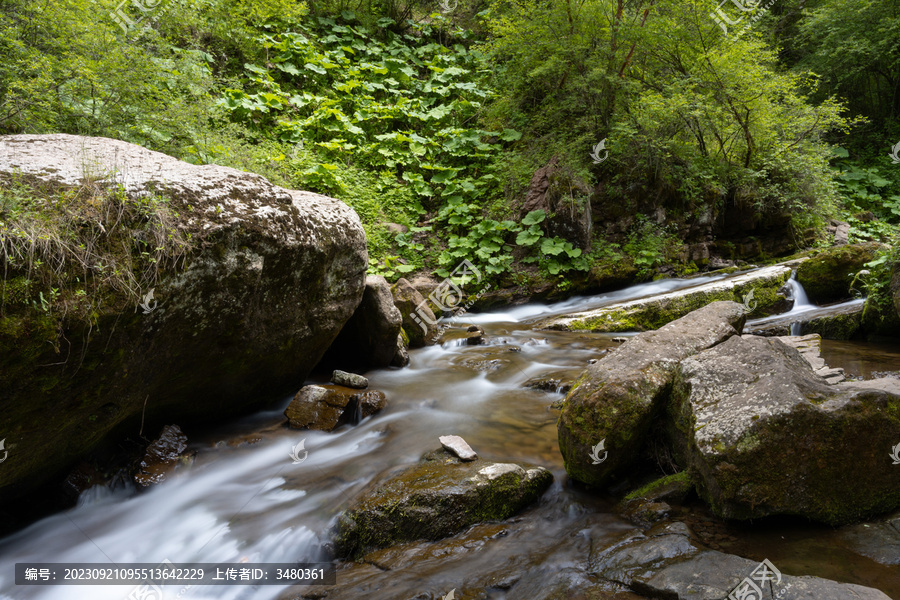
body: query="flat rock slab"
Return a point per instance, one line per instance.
(669, 565)
(435, 499)
(762, 434)
(458, 446)
(654, 312)
(617, 397)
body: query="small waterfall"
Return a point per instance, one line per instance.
(801, 302)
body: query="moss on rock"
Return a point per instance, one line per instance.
(437, 498)
(826, 277)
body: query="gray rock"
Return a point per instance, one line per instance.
(327, 407)
(879, 541)
(435, 499)
(669, 565)
(350, 380)
(419, 321)
(763, 435)
(369, 339)
(842, 234)
(616, 398)
(273, 277)
(401, 356)
(712, 575)
(458, 446)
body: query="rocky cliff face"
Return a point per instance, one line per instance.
(272, 276)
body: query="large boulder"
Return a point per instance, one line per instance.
(827, 276)
(437, 498)
(269, 280)
(419, 321)
(371, 338)
(616, 399)
(759, 290)
(762, 435)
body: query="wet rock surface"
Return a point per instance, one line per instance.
(162, 456)
(326, 407)
(436, 499)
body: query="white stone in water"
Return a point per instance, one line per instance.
(458, 446)
(350, 380)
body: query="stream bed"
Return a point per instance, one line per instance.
(243, 499)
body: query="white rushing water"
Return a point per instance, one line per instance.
(582, 303)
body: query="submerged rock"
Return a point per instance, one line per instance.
(654, 312)
(437, 498)
(617, 398)
(326, 407)
(826, 277)
(272, 276)
(762, 435)
(162, 456)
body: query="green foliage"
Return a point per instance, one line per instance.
(869, 197)
(649, 245)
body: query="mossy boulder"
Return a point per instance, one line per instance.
(827, 276)
(760, 289)
(419, 322)
(435, 499)
(762, 435)
(617, 398)
(271, 278)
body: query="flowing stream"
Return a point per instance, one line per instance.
(243, 499)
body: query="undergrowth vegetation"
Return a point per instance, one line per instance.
(79, 251)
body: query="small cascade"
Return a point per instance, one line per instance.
(801, 300)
